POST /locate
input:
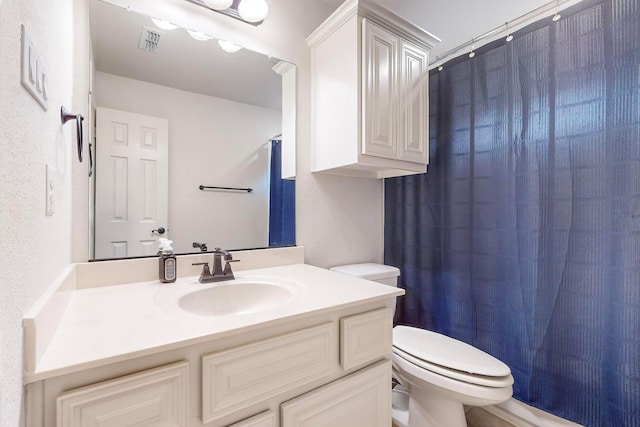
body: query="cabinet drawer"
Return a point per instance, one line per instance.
(266, 419)
(240, 377)
(365, 337)
(361, 399)
(156, 397)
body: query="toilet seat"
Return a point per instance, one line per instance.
(449, 357)
(482, 380)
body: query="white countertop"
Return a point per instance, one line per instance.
(114, 323)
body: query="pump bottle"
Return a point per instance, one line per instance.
(168, 270)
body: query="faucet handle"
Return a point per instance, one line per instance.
(206, 273)
(227, 267)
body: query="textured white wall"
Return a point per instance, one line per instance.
(212, 141)
(35, 247)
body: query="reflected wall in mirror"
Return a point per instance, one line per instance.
(172, 114)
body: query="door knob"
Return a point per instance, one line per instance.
(160, 230)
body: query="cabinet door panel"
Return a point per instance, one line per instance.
(157, 397)
(240, 377)
(379, 66)
(361, 399)
(365, 338)
(266, 419)
(413, 131)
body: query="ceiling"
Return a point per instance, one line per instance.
(458, 21)
(202, 67)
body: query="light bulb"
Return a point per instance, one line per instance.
(253, 10)
(199, 36)
(510, 37)
(218, 4)
(228, 46)
(165, 25)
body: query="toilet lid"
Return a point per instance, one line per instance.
(482, 380)
(439, 349)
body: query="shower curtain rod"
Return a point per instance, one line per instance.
(514, 24)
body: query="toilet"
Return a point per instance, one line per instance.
(438, 375)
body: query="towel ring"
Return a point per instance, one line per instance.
(65, 116)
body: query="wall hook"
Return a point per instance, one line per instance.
(65, 116)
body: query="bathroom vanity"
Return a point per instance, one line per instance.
(278, 346)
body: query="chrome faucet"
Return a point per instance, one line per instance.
(219, 274)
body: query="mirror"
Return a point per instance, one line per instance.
(172, 117)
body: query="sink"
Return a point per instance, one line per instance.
(235, 299)
(244, 295)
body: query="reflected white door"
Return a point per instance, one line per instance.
(131, 183)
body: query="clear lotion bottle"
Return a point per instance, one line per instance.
(168, 270)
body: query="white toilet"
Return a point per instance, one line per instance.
(441, 374)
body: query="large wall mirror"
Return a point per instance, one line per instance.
(173, 115)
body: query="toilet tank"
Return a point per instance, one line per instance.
(380, 273)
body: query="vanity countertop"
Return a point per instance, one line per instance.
(110, 324)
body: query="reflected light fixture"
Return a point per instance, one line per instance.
(218, 4)
(509, 37)
(228, 46)
(199, 36)
(165, 25)
(253, 10)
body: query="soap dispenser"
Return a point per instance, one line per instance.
(168, 269)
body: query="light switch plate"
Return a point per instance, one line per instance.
(32, 70)
(50, 192)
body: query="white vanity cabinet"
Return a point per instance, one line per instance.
(369, 93)
(157, 397)
(236, 378)
(330, 368)
(361, 399)
(266, 419)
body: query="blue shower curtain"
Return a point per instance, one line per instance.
(282, 215)
(523, 238)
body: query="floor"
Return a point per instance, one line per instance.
(478, 417)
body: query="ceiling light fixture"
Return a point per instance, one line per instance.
(228, 46)
(199, 36)
(218, 4)
(165, 25)
(253, 10)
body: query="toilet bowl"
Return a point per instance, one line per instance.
(441, 374)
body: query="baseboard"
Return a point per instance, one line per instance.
(523, 415)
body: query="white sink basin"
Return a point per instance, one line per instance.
(241, 296)
(235, 299)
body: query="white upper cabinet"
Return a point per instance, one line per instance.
(413, 120)
(380, 92)
(370, 94)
